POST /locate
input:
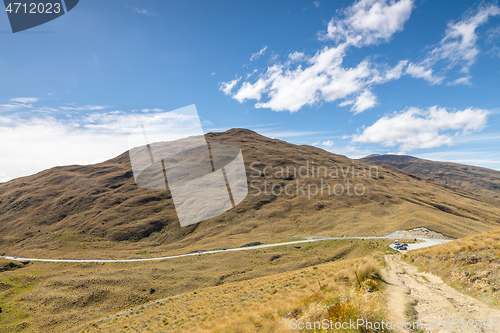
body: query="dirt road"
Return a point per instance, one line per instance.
(424, 243)
(439, 307)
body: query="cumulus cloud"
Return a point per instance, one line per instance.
(369, 22)
(364, 101)
(306, 80)
(417, 128)
(322, 79)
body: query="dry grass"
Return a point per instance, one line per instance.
(59, 296)
(98, 211)
(471, 264)
(269, 304)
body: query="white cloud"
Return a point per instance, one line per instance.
(465, 80)
(249, 75)
(492, 41)
(4, 177)
(24, 100)
(18, 104)
(296, 56)
(328, 143)
(420, 71)
(324, 79)
(41, 142)
(83, 108)
(304, 81)
(256, 55)
(144, 11)
(316, 4)
(417, 128)
(369, 22)
(459, 45)
(392, 73)
(11, 107)
(308, 80)
(457, 49)
(227, 87)
(364, 101)
(255, 90)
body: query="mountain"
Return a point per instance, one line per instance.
(471, 178)
(98, 210)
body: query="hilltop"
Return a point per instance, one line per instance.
(98, 210)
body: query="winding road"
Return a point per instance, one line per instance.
(425, 243)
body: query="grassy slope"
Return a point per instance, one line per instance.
(98, 211)
(267, 304)
(470, 264)
(57, 297)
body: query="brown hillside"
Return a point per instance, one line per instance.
(67, 211)
(471, 178)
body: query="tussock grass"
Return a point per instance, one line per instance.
(65, 296)
(268, 304)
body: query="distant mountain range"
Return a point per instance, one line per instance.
(471, 178)
(73, 209)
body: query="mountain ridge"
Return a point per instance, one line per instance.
(475, 179)
(99, 209)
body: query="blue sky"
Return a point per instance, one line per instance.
(354, 78)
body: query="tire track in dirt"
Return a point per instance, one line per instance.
(434, 301)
